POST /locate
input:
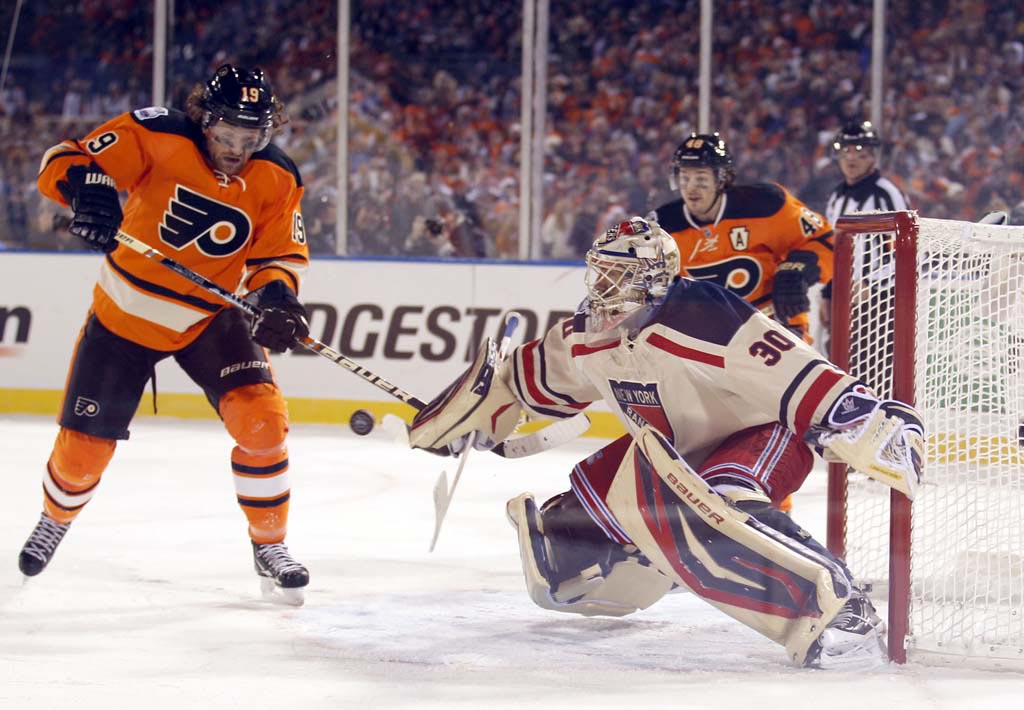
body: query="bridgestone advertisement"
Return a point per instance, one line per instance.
(413, 323)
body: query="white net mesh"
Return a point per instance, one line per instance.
(967, 559)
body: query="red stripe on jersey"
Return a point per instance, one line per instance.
(663, 343)
(580, 350)
(528, 374)
(815, 393)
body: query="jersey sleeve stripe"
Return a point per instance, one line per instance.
(543, 380)
(686, 353)
(292, 277)
(60, 150)
(518, 383)
(301, 258)
(794, 387)
(810, 402)
(580, 350)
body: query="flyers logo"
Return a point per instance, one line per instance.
(740, 274)
(86, 407)
(217, 229)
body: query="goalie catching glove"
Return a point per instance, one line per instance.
(479, 401)
(883, 439)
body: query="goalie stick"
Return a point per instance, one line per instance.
(553, 435)
(442, 494)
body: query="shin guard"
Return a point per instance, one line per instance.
(73, 472)
(257, 418)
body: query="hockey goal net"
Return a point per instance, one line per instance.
(931, 312)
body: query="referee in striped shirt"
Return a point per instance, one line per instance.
(863, 189)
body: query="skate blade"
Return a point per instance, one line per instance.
(285, 596)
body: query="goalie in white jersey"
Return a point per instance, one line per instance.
(720, 402)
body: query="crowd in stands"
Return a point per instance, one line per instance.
(434, 109)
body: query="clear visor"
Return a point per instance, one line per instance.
(237, 139)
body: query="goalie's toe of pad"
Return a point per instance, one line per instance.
(853, 640)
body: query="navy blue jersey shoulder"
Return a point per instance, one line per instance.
(279, 158)
(702, 310)
(758, 200)
(670, 216)
(167, 121)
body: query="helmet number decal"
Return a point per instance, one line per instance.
(216, 229)
(251, 94)
(695, 143)
(740, 274)
(101, 142)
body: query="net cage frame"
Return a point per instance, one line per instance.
(902, 303)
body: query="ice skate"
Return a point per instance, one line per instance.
(282, 579)
(41, 545)
(853, 640)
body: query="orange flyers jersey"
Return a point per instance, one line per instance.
(240, 231)
(759, 226)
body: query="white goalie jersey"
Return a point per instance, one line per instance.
(698, 366)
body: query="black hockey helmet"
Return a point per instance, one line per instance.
(703, 150)
(241, 97)
(857, 133)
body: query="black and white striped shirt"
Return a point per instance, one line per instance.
(873, 193)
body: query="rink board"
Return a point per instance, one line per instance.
(415, 323)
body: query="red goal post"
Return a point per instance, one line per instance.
(931, 312)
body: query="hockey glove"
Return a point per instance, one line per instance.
(282, 319)
(479, 401)
(92, 195)
(883, 439)
(792, 279)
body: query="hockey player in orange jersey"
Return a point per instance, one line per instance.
(208, 187)
(758, 240)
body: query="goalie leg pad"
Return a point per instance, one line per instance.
(480, 400)
(571, 566)
(763, 578)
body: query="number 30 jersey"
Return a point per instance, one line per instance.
(240, 231)
(699, 366)
(758, 227)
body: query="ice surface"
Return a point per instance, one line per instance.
(151, 600)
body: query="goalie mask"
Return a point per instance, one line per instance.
(629, 267)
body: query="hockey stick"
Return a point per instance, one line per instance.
(442, 494)
(553, 435)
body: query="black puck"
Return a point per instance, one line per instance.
(361, 422)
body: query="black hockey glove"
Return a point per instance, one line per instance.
(282, 319)
(792, 279)
(92, 195)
